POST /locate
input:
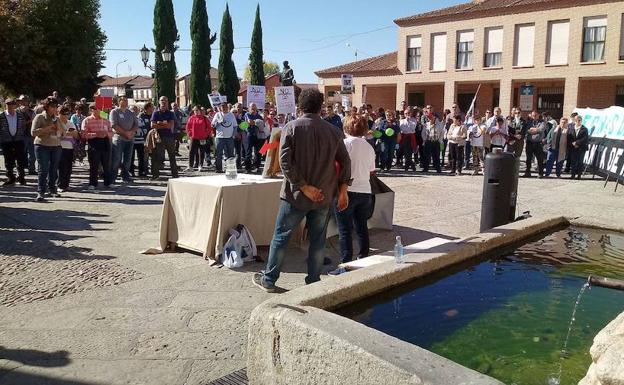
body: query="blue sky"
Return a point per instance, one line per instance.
(312, 35)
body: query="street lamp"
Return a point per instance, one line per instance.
(353, 48)
(145, 54)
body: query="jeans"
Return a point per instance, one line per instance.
(198, 153)
(48, 158)
(534, 149)
(355, 215)
(576, 162)
(224, 145)
(14, 152)
(240, 154)
(432, 152)
(553, 160)
(254, 144)
(288, 218)
(122, 156)
(139, 152)
(387, 154)
(30, 153)
(456, 157)
(65, 167)
(408, 151)
(467, 154)
(99, 157)
(167, 144)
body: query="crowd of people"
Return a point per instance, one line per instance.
(131, 142)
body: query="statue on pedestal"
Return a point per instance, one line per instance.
(287, 77)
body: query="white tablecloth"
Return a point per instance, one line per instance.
(198, 212)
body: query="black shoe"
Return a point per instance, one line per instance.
(31, 172)
(327, 261)
(257, 280)
(220, 172)
(9, 182)
(22, 181)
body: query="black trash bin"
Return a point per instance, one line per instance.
(500, 189)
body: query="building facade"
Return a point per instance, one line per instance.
(183, 85)
(560, 54)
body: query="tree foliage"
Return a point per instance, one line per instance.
(256, 64)
(229, 84)
(165, 37)
(270, 68)
(48, 45)
(201, 84)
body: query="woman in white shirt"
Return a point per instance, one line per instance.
(68, 142)
(456, 136)
(360, 195)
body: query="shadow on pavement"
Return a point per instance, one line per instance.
(16, 377)
(36, 357)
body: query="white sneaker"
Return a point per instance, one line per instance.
(61, 190)
(199, 169)
(188, 169)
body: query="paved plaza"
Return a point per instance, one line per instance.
(80, 305)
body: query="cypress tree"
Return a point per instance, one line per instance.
(165, 37)
(201, 84)
(256, 64)
(228, 79)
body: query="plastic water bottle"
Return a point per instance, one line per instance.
(398, 250)
(230, 169)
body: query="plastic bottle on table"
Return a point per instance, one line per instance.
(398, 250)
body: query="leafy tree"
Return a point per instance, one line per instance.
(256, 63)
(201, 85)
(165, 37)
(41, 52)
(229, 84)
(270, 68)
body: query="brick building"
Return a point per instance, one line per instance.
(570, 52)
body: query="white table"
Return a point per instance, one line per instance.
(198, 212)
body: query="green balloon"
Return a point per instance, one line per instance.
(377, 134)
(389, 131)
(244, 126)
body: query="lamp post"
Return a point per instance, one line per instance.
(145, 54)
(117, 77)
(355, 49)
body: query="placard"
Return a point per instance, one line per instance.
(256, 95)
(104, 103)
(347, 86)
(526, 98)
(107, 92)
(346, 102)
(216, 100)
(285, 100)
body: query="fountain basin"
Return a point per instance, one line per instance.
(295, 337)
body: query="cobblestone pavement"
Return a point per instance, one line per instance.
(80, 305)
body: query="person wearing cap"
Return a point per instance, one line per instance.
(12, 140)
(28, 115)
(47, 133)
(98, 132)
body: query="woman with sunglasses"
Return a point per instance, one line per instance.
(47, 133)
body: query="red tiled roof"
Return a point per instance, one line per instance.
(378, 65)
(482, 8)
(143, 83)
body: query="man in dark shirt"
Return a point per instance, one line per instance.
(163, 120)
(332, 117)
(516, 131)
(309, 149)
(254, 144)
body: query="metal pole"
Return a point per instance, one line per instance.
(117, 77)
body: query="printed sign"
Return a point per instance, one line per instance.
(347, 86)
(346, 102)
(104, 103)
(256, 95)
(526, 98)
(606, 148)
(285, 100)
(107, 92)
(216, 100)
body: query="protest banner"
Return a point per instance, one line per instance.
(216, 100)
(605, 155)
(285, 100)
(107, 92)
(256, 95)
(346, 84)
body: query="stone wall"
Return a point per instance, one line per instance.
(607, 353)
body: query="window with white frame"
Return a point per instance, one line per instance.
(438, 52)
(493, 47)
(414, 46)
(465, 44)
(558, 41)
(594, 38)
(524, 45)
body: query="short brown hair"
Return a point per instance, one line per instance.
(356, 126)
